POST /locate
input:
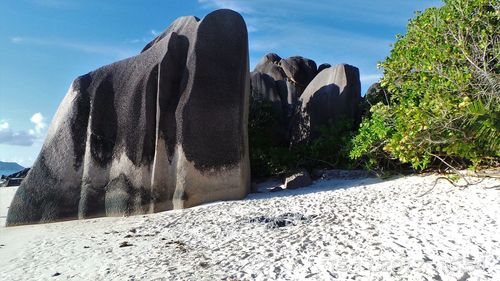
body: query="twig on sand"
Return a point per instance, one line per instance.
(460, 186)
(434, 185)
(453, 168)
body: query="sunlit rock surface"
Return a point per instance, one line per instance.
(162, 130)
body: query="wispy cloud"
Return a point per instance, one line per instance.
(341, 31)
(375, 12)
(244, 7)
(155, 33)
(118, 52)
(22, 137)
(370, 78)
(145, 38)
(133, 41)
(56, 3)
(299, 26)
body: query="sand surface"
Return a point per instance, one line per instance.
(6, 195)
(363, 229)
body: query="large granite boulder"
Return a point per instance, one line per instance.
(264, 89)
(291, 76)
(14, 179)
(165, 129)
(270, 65)
(334, 95)
(299, 70)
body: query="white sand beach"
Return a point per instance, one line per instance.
(6, 195)
(363, 229)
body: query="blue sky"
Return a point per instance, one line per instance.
(45, 44)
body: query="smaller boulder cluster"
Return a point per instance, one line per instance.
(306, 97)
(14, 179)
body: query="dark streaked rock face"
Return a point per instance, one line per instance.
(164, 129)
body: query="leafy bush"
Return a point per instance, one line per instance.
(444, 80)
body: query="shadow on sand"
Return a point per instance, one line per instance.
(320, 185)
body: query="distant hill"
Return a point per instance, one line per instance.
(10, 166)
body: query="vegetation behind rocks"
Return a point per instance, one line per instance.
(443, 110)
(271, 157)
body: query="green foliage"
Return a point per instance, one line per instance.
(371, 136)
(444, 80)
(261, 122)
(331, 148)
(272, 157)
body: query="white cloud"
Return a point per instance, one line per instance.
(37, 119)
(74, 45)
(4, 125)
(23, 137)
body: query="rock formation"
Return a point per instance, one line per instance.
(332, 96)
(281, 82)
(270, 64)
(307, 97)
(165, 129)
(299, 70)
(14, 179)
(291, 76)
